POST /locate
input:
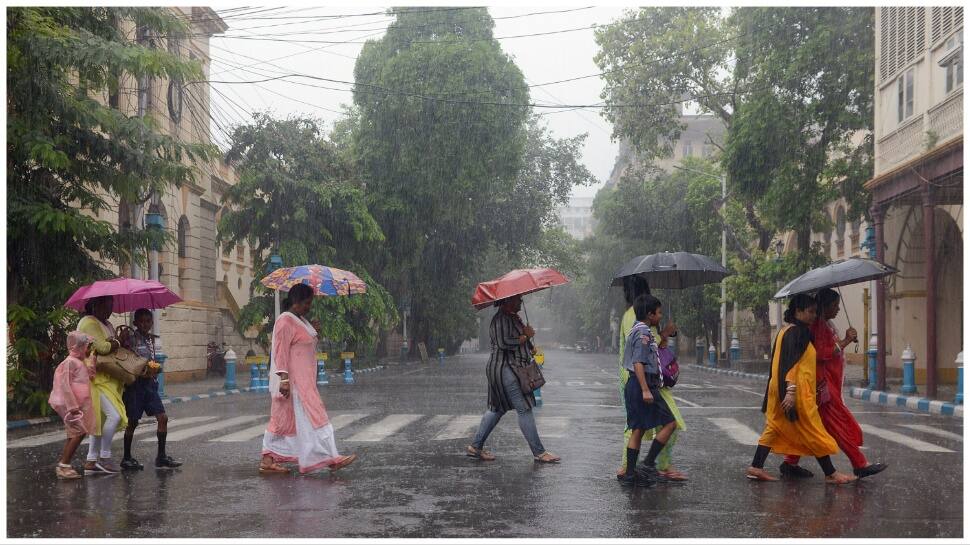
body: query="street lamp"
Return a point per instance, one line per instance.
(275, 262)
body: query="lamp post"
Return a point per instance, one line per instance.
(779, 247)
(155, 223)
(275, 262)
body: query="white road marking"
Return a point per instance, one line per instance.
(552, 426)
(143, 428)
(343, 420)
(206, 428)
(685, 402)
(741, 389)
(904, 440)
(247, 434)
(459, 427)
(934, 431)
(738, 431)
(389, 425)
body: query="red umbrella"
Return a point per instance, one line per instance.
(517, 282)
(129, 294)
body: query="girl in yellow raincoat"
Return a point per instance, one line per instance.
(792, 423)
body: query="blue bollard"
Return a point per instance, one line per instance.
(322, 379)
(909, 371)
(699, 352)
(348, 370)
(872, 353)
(712, 356)
(959, 397)
(735, 349)
(263, 376)
(230, 383)
(253, 375)
(441, 356)
(160, 357)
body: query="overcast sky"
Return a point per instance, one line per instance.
(541, 59)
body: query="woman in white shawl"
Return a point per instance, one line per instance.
(299, 430)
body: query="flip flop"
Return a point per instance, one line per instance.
(674, 475)
(481, 454)
(759, 475)
(552, 459)
(346, 461)
(273, 468)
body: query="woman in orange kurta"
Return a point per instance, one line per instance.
(792, 422)
(299, 430)
(836, 416)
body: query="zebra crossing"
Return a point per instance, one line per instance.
(371, 428)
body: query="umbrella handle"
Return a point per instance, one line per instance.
(848, 320)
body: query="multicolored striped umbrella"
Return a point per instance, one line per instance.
(325, 281)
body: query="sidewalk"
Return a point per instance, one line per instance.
(857, 387)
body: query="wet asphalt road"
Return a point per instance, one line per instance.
(416, 482)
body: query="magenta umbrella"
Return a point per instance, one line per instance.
(129, 294)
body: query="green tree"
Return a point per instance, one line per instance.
(297, 195)
(71, 156)
(455, 172)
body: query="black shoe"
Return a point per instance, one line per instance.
(798, 472)
(869, 470)
(648, 475)
(131, 463)
(627, 480)
(166, 462)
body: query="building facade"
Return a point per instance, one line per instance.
(577, 217)
(917, 190)
(213, 282)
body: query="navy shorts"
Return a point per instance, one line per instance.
(141, 397)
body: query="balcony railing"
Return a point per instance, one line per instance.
(921, 133)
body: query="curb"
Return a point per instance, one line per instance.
(920, 404)
(729, 372)
(17, 424)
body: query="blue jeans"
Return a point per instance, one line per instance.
(527, 421)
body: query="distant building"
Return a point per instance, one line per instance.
(577, 217)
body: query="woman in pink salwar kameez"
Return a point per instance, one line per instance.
(71, 399)
(299, 430)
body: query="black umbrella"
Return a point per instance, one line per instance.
(841, 273)
(672, 270)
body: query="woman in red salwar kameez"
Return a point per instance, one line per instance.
(836, 416)
(299, 430)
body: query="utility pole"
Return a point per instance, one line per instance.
(723, 343)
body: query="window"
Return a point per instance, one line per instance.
(183, 231)
(902, 38)
(904, 95)
(840, 231)
(240, 252)
(953, 62)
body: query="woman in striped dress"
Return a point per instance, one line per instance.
(511, 347)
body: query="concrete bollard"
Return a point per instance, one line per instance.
(322, 379)
(348, 358)
(872, 353)
(441, 356)
(735, 349)
(404, 351)
(230, 383)
(699, 351)
(909, 371)
(160, 357)
(253, 362)
(712, 356)
(263, 374)
(959, 397)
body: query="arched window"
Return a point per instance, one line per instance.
(183, 232)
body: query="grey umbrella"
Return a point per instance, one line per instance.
(672, 270)
(841, 273)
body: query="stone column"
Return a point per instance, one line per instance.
(878, 213)
(929, 243)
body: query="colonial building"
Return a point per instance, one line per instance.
(576, 217)
(917, 190)
(213, 282)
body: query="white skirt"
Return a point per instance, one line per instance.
(311, 448)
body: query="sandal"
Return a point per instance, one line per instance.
(479, 453)
(66, 472)
(272, 468)
(547, 458)
(344, 462)
(839, 478)
(758, 474)
(674, 475)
